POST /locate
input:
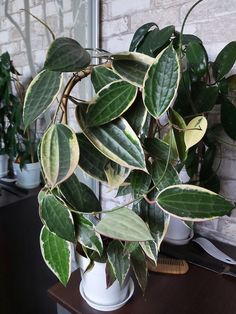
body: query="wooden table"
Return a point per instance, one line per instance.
(200, 291)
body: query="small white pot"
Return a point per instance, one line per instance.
(178, 232)
(3, 165)
(94, 291)
(29, 176)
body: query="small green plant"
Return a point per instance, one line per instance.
(147, 120)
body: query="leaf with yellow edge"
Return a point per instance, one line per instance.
(195, 131)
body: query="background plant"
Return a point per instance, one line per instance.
(133, 137)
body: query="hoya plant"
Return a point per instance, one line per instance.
(147, 119)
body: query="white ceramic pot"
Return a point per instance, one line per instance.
(3, 165)
(29, 176)
(94, 291)
(178, 232)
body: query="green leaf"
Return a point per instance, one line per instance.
(131, 66)
(111, 102)
(124, 190)
(91, 160)
(156, 219)
(178, 129)
(228, 117)
(116, 140)
(136, 115)
(194, 203)
(102, 76)
(150, 249)
(224, 61)
(40, 94)
(66, 55)
(204, 97)
(116, 174)
(161, 83)
(59, 153)
(119, 260)
(57, 217)
(140, 182)
(140, 34)
(197, 58)
(79, 195)
(157, 148)
(139, 266)
(87, 236)
(162, 178)
(57, 254)
(160, 38)
(195, 131)
(128, 226)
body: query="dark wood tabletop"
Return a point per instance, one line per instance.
(199, 291)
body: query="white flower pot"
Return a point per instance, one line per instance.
(178, 232)
(94, 291)
(29, 176)
(3, 165)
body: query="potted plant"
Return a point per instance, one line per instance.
(9, 113)
(133, 139)
(26, 165)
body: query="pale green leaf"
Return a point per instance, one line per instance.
(116, 174)
(195, 131)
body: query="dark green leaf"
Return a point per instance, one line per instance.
(91, 160)
(228, 118)
(157, 148)
(140, 34)
(160, 37)
(193, 202)
(197, 58)
(204, 97)
(139, 266)
(140, 182)
(66, 55)
(110, 103)
(57, 254)
(119, 260)
(124, 190)
(57, 217)
(40, 94)
(161, 83)
(116, 140)
(224, 61)
(79, 195)
(102, 76)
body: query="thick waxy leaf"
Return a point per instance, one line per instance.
(110, 103)
(102, 76)
(57, 217)
(178, 127)
(162, 176)
(224, 61)
(156, 148)
(124, 190)
(131, 66)
(59, 153)
(87, 236)
(228, 118)
(40, 94)
(150, 249)
(191, 202)
(79, 195)
(197, 58)
(136, 115)
(116, 140)
(116, 174)
(119, 260)
(161, 83)
(128, 226)
(156, 218)
(204, 97)
(91, 160)
(160, 38)
(138, 261)
(140, 182)
(195, 131)
(57, 254)
(66, 55)
(140, 34)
